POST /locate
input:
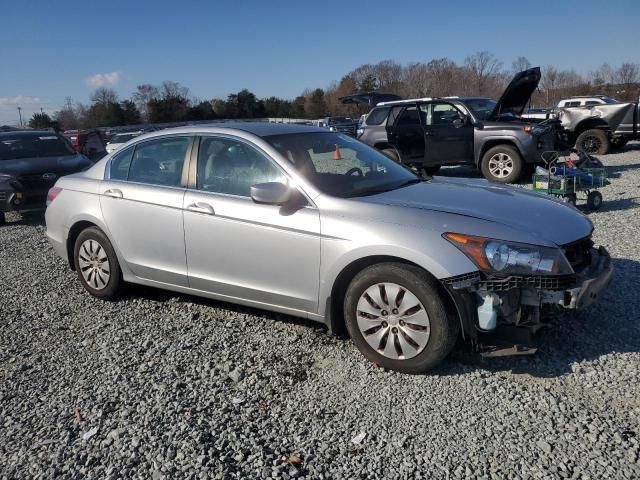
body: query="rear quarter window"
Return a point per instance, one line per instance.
(377, 116)
(120, 164)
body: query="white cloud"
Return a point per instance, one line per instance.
(103, 79)
(18, 100)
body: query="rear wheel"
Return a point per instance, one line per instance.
(97, 265)
(594, 141)
(397, 318)
(502, 163)
(391, 153)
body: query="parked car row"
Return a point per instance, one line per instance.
(316, 224)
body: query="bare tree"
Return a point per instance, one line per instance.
(104, 95)
(549, 83)
(142, 96)
(482, 66)
(628, 76)
(519, 64)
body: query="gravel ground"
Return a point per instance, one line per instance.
(165, 386)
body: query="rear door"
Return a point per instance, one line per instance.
(448, 134)
(239, 249)
(406, 134)
(142, 207)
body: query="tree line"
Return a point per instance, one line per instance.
(481, 74)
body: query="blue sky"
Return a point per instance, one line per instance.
(50, 50)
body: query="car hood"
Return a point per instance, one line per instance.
(540, 216)
(62, 165)
(517, 94)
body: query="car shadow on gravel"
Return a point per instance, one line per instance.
(31, 219)
(616, 171)
(610, 326)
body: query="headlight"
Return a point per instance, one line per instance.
(4, 177)
(333, 129)
(511, 258)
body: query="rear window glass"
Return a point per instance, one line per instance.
(27, 146)
(377, 116)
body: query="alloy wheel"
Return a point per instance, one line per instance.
(501, 165)
(94, 264)
(591, 144)
(393, 321)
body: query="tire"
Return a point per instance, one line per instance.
(502, 163)
(392, 154)
(594, 200)
(594, 142)
(102, 279)
(432, 329)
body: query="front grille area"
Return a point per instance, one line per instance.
(559, 282)
(3, 196)
(578, 253)
(346, 129)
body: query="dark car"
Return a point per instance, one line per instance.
(346, 125)
(427, 133)
(30, 163)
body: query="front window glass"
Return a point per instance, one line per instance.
(440, 114)
(481, 107)
(229, 166)
(340, 165)
(159, 162)
(39, 145)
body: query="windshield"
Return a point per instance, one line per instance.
(340, 165)
(123, 137)
(609, 100)
(14, 147)
(481, 107)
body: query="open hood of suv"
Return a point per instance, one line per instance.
(371, 99)
(517, 94)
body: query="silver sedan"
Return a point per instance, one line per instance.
(316, 224)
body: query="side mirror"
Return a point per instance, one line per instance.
(271, 193)
(459, 122)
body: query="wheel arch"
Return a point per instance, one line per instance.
(496, 142)
(589, 124)
(334, 315)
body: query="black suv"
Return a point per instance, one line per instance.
(30, 163)
(427, 133)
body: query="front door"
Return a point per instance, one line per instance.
(266, 254)
(448, 134)
(142, 207)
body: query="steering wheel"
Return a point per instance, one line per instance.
(353, 170)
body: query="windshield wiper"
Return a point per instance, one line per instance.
(375, 191)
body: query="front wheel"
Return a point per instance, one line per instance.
(97, 265)
(502, 163)
(594, 141)
(594, 200)
(397, 318)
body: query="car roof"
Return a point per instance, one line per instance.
(429, 99)
(27, 133)
(260, 129)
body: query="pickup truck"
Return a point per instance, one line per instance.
(597, 129)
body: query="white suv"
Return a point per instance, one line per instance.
(586, 101)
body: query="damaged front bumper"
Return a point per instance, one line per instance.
(501, 315)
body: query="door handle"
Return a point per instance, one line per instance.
(201, 207)
(113, 193)
(429, 133)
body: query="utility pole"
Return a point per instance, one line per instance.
(20, 113)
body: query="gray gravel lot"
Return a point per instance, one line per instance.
(158, 385)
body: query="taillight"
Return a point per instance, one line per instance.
(52, 194)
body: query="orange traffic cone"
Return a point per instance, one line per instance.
(336, 153)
